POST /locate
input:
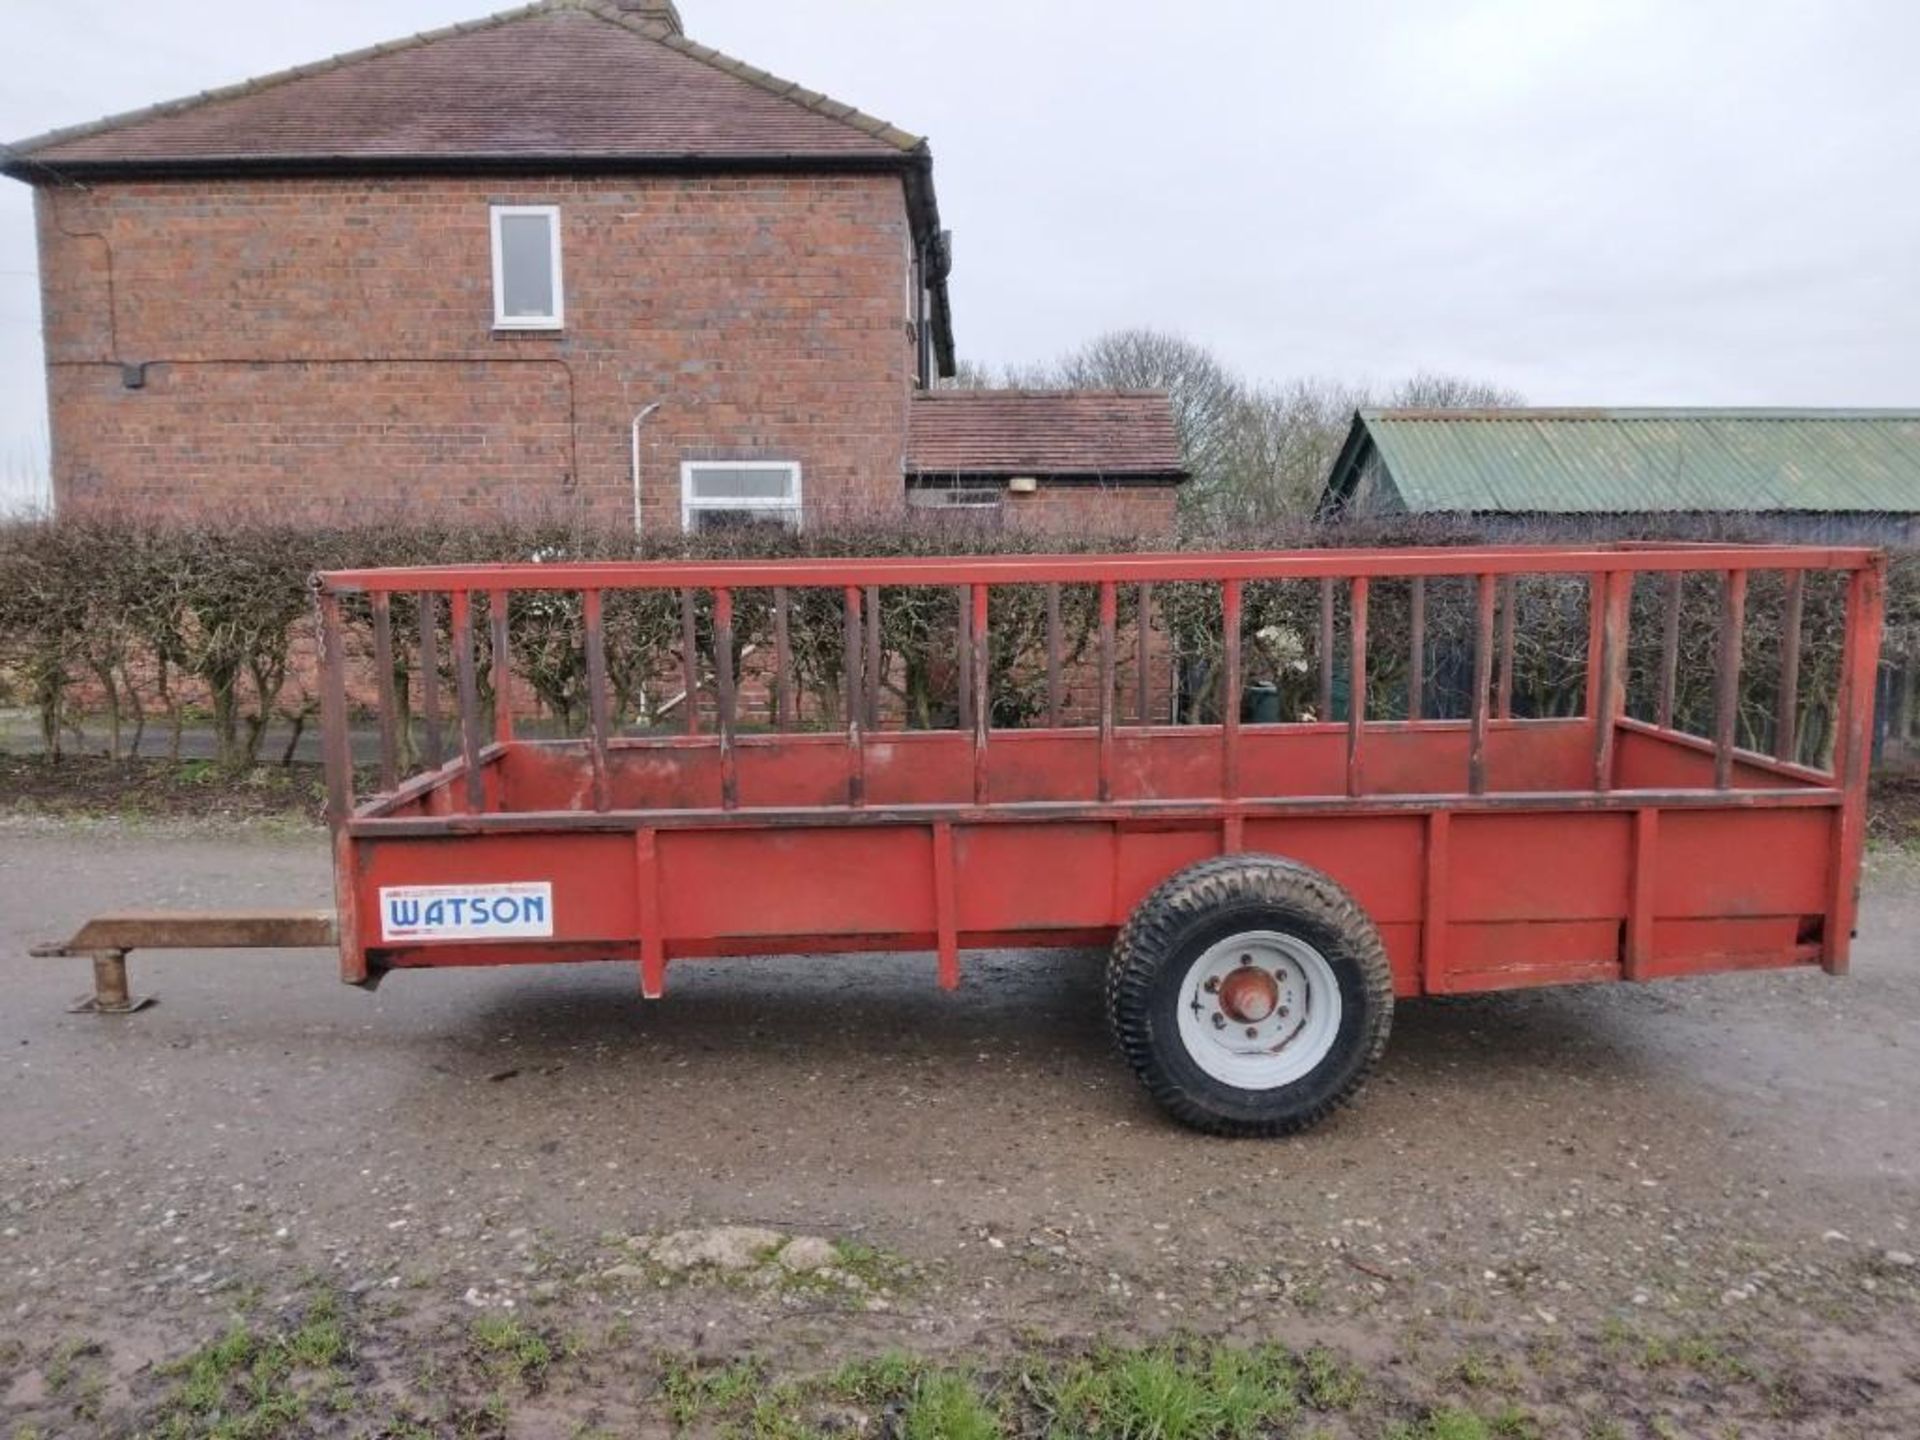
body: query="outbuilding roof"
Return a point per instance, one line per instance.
(1530, 461)
(1121, 434)
(581, 79)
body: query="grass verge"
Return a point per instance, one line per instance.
(320, 1369)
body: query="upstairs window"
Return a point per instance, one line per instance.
(733, 494)
(526, 268)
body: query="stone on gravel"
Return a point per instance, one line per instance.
(726, 1247)
(805, 1254)
(1899, 1259)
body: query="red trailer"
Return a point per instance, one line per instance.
(1269, 889)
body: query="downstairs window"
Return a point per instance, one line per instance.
(735, 494)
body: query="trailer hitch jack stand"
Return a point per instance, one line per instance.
(111, 995)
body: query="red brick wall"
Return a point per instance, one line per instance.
(327, 341)
(1119, 511)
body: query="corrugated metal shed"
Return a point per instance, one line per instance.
(1615, 462)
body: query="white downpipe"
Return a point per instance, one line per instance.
(638, 421)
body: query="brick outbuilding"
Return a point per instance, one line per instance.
(1104, 462)
(562, 257)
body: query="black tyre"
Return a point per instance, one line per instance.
(1250, 994)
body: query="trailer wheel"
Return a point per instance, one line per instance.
(1250, 994)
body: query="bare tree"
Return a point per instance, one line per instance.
(1208, 400)
(1431, 390)
(1285, 439)
(972, 375)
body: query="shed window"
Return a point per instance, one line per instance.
(954, 497)
(726, 494)
(526, 268)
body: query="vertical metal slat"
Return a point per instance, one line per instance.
(1053, 657)
(502, 667)
(1230, 686)
(723, 687)
(875, 672)
(1726, 704)
(1509, 610)
(689, 662)
(468, 685)
(334, 740)
(1852, 755)
(1596, 627)
(1786, 718)
(1482, 684)
(1143, 659)
(856, 743)
(1357, 686)
(1616, 616)
(1435, 903)
(945, 908)
(1325, 715)
(783, 706)
(1670, 648)
(430, 679)
(388, 701)
(1641, 888)
(597, 713)
(1109, 613)
(982, 692)
(653, 943)
(963, 682)
(1417, 648)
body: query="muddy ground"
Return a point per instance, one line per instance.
(1685, 1209)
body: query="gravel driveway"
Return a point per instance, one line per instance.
(1556, 1182)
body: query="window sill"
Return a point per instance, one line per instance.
(510, 332)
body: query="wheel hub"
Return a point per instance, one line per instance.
(1260, 1010)
(1249, 995)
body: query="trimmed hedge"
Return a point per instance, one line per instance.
(138, 623)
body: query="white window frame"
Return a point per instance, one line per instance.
(787, 512)
(503, 321)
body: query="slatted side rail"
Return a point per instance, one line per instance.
(1493, 575)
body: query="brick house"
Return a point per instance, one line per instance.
(626, 275)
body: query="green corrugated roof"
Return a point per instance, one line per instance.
(1629, 461)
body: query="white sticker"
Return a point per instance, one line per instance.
(519, 911)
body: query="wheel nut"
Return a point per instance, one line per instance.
(1219, 1021)
(1253, 1032)
(1212, 987)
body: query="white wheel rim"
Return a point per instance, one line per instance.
(1259, 1010)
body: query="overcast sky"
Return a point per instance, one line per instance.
(1589, 201)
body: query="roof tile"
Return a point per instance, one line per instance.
(1044, 432)
(570, 78)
